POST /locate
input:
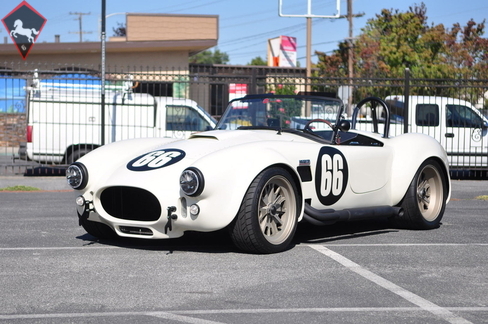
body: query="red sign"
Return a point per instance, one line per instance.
(24, 24)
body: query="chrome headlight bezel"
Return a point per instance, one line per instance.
(192, 182)
(77, 176)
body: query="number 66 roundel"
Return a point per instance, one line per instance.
(156, 159)
(331, 175)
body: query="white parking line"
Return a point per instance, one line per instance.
(165, 315)
(411, 244)
(185, 315)
(409, 296)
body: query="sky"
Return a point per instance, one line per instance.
(244, 25)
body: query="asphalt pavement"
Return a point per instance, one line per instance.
(53, 272)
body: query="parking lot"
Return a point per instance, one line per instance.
(51, 271)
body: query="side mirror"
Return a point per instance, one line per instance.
(344, 126)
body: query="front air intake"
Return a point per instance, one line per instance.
(136, 230)
(130, 203)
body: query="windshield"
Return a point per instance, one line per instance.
(283, 112)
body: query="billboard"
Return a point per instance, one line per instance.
(282, 51)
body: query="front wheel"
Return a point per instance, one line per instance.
(268, 216)
(425, 200)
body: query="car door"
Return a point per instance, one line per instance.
(351, 175)
(466, 139)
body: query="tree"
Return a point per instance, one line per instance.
(120, 30)
(394, 40)
(258, 61)
(468, 51)
(209, 57)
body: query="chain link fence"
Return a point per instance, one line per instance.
(68, 100)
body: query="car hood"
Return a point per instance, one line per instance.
(204, 143)
(137, 162)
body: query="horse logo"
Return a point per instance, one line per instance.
(20, 30)
(16, 21)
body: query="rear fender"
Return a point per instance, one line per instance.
(407, 158)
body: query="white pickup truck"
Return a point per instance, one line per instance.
(460, 128)
(64, 120)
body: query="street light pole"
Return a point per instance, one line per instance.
(102, 121)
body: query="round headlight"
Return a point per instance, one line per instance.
(191, 182)
(77, 176)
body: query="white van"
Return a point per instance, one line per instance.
(460, 128)
(64, 121)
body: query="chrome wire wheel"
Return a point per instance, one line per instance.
(425, 200)
(430, 193)
(277, 210)
(268, 216)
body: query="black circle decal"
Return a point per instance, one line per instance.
(156, 159)
(331, 175)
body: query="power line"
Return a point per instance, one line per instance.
(80, 19)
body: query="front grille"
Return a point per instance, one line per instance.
(131, 203)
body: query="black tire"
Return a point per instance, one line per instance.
(425, 200)
(74, 155)
(98, 230)
(268, 216)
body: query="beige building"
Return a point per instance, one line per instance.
(155, 52)
(152, 40)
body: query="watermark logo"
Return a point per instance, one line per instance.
(24, 24)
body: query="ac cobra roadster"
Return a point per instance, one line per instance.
(271, 162)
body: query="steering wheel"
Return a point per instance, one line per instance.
(309, 130)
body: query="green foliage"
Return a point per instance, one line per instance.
(209, 57)
(394, 41)
(19, 188)
(282, 109)
(258, 61)
(282, 88)
(120, 30)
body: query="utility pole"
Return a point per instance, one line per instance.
(80, 18)
(350, 53)
(309, 15)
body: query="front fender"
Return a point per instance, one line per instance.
(102, 161)
(226, 190)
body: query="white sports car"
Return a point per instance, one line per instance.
(271, 162)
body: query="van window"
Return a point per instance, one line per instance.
(462, 116)
(184, 118)
(427, 115)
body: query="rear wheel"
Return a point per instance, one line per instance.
(268, 216)
(425, 200)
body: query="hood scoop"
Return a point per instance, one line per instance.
(203, 135)
(220, 135)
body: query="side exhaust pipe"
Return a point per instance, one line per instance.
(330, 216)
